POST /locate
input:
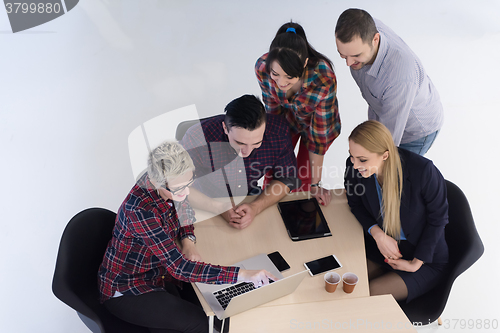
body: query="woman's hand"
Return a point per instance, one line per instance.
(189, 250)
(258, 278)
(323, 196)
(405, 265)
(387, 245)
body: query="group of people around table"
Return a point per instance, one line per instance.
(398, 196)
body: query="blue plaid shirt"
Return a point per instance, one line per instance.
(210, 150)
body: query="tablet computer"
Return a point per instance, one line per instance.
(303, 219)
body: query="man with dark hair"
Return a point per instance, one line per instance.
(232, 152)
(246, 112)
(392, 80)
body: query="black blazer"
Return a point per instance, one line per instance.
(424, 207)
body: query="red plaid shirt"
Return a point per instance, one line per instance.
(312, 112)
(142, 252)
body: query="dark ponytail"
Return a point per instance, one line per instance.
(290, 49)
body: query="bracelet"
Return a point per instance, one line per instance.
(318, 184)
(192, 238)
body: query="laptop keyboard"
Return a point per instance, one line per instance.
(225, 295)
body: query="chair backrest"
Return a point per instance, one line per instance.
(183, 127)
(465, 248)
(465, 245)
(81, 251)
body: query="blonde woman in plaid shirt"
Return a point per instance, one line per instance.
(145, 275)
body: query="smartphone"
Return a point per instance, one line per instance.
(279, 261)
(322, 265)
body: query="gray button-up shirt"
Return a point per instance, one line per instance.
(398, 91)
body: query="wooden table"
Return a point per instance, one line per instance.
(310, 307)
(361, 314)
(219, 243)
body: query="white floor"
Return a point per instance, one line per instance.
(72, 90)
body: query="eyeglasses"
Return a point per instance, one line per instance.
(180, 189)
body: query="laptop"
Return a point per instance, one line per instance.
(225, 300)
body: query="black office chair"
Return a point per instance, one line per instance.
(184, 126)
(81, 251)
(465, 248)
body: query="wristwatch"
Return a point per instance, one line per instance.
(192, 238)
(318, 184)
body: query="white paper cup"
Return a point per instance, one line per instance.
(349, 281)
(332, 279)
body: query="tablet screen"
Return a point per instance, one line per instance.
(303, 219)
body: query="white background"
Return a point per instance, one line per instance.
(72, 90)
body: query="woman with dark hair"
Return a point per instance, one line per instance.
(298, 82)
(399, 198)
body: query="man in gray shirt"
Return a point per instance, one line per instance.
(392, 80)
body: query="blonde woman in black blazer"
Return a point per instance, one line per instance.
(404, 225)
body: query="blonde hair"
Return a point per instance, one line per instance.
(168, 160)
(376, 138)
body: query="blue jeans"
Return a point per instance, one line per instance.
(422, 145)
